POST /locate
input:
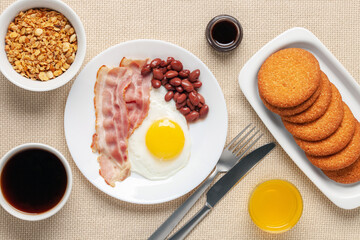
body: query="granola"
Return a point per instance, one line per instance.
(40, 44)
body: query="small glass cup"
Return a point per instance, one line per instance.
(275, 206)
(229, 31)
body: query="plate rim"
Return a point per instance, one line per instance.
(221, 139)
(290, 36)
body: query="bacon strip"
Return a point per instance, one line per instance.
(137, 96)
(112, 123)
(122, 100)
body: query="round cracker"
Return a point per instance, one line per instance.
(289, 77)
(319, 107)
(294, 110)
(342, 159)
(348, 175)
(335, 142)
(322, 127)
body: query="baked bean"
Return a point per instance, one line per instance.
(194, 98)
(204, 111)
(187, 85)
(176, 95)
(155, 83)
(179, 89)
(163, 63)
(169, 95)
(184, 73)
(194, 75)
(169, 87)
(176, 65)
(169, 60)
(164, 81)
(192, 116)
(163, 70)
(146, 70)
(158, 74)
(175, 82)
(184, 110)
(190, 105)
(171, 74)
(155, 63)
(180, 105)
(197, 84)
(181, 98)
(201, 98)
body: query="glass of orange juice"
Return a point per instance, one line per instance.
(275, 206)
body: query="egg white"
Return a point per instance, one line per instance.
(141, 159)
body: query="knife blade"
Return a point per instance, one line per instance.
(232, 177)
(223, 186)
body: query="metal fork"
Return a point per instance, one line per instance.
(225, 163)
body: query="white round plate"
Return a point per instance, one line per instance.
(207, 136)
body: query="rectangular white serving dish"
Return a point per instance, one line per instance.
(344, 196)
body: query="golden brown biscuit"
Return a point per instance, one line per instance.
(335, 142)
(319, 107)
(294, 110)
(350, 174)
(322, 127)
(342, 159)
(289, 77)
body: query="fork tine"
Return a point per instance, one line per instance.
(235, 144)
(252, 144)
(240, 147)
(235, 138)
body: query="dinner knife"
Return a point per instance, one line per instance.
(221, 187)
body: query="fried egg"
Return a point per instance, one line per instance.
(161, 145)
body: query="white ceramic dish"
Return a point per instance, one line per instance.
(6, 68)
(35, 217)
(207, 136)
(344, 196)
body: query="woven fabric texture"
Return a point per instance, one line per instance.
(90, 214)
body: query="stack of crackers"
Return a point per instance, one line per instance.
(292, 85)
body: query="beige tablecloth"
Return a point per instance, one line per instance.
(90, 214)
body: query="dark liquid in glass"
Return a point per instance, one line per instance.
(33, 181)
(224, 32)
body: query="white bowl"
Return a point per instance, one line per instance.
(29, 216)
(7, 69)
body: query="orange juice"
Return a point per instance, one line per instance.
(275, 206)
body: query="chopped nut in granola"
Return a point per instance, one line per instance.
(43, 76)
(38, 32)
(40, 44)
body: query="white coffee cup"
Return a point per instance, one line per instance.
(36, 216)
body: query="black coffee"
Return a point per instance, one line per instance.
(33, 181)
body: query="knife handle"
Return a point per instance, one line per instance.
(166, 228)
(189, 226)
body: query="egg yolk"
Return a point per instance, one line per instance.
(165, 139)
